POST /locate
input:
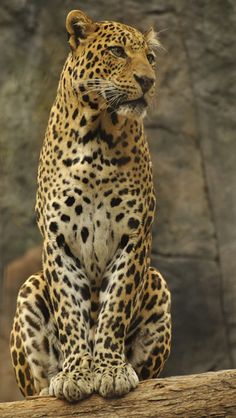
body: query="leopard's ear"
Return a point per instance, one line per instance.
(152, 39)
(78, 26)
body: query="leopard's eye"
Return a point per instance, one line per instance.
(118, 51)
(151, 58)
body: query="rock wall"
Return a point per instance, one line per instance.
(191, 132)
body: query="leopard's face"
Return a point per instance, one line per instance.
(116, 64)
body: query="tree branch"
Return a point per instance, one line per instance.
(202, 395)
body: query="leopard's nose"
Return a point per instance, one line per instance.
(145, 82)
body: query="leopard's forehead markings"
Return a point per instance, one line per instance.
(124, 34)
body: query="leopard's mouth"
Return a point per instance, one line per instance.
(140, 103)
(133, 108)
(130, 108)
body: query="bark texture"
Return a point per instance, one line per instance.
(194, 396)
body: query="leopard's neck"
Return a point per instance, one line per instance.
(78, 122)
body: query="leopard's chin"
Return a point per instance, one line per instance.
(132, 113)
(133, 108)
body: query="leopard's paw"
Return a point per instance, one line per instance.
(115, 380)
(72, 386)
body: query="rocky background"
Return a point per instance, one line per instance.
(192, 139)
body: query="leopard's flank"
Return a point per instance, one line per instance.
(97, 318)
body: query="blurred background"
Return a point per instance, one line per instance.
(192, 139)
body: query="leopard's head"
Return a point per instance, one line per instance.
(112, 64)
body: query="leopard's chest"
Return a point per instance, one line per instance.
(97, 222)
(91, 205)
(94, 202)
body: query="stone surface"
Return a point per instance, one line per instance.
(183, 225)
(191, 131)
(212, 67)
(199, 341)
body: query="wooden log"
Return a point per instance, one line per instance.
(195, 396)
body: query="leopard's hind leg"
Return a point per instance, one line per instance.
(149, 337)
(34, 343)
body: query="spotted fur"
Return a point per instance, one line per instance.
(97, 318)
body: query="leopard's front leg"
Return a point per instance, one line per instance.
(123, 281)
(70, 294)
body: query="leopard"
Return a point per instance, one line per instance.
(97, 318)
